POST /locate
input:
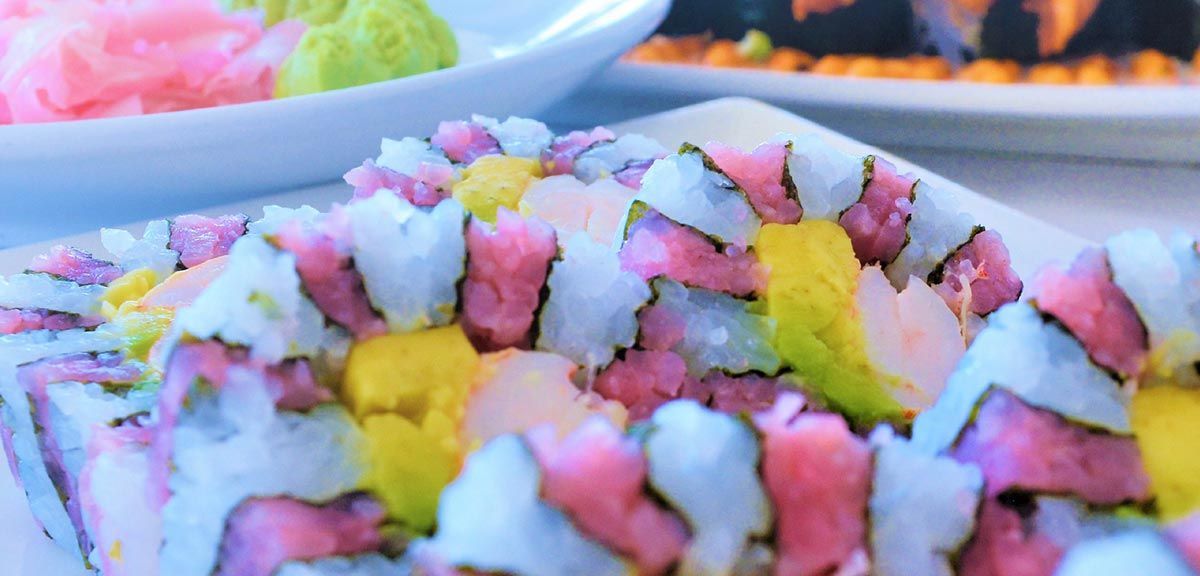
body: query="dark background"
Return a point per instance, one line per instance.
(886, 27)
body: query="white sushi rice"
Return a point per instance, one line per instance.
(408, 155)
(411, 260)
(150, 251)
(122, 520)
(1134, 552)
(1040, 363)
(706, 465)
(257, 302)
(826, 180)
(936, 230)
(1162, 284)
(592, 308)
(721, 333)
(518, 534)
(922, 508)
(43, 291)
(234, 446)
(517, 136)
(684, 190)
(274, 217)
(76, 409)
(607, 158)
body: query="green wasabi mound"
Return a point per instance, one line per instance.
(356, 42)
(312, 12)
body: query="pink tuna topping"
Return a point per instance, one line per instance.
(1026, 448)
(560, 158)
(760, 175)
(631, 175)
(292, 385)
(878, 223)
(597, 476)
(15, 321)
(1185, 535)
(1087, 301)
(262, 535)
(35, 378)
(75, 265)
(738, 394)
(1007, 545)
(506, 268)
(658, 246)
(645, 379)
(199, 239)
(330, 278)
(463, 142)
(818, 475)
(983, 266)
(69, 60)
(370, 178)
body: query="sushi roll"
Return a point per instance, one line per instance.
(519, 353)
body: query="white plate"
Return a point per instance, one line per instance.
(518, 58)
(737, 121)
(1118, 122)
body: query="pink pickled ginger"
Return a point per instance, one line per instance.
(77, 59)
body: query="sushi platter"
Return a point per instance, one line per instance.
(360, 291)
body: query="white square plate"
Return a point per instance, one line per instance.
(738, 121)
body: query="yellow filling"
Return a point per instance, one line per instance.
(494, 181)
(1166, 420)
(410, 390)
(811, 295)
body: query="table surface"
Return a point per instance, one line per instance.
(1093, 198)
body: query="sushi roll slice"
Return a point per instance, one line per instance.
(917, 526)
(708, 330)
(463, 141)
(1038, 362)
(1021, 534)
(1163, 283)
(199, 239)
(978, 278)
(817, 474)
(687, 188)
(763, 175)
(827, 182)
(878, 223)
(76, 266)
(591, 311)
(392, 241)
(507, 265)
(655, 245)
(936, 230)
(560, 157)
(597, 476)
(520, 137)
(625, 159)
(520, 533)
(705, 464)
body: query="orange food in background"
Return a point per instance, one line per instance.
(989, 71)
(1096, 71)
(1051, 73)
(1153, 67)
(789, 60)
(1145, 67)
(802, 8)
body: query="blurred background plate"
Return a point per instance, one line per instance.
(66, 177)
(1125, 123)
